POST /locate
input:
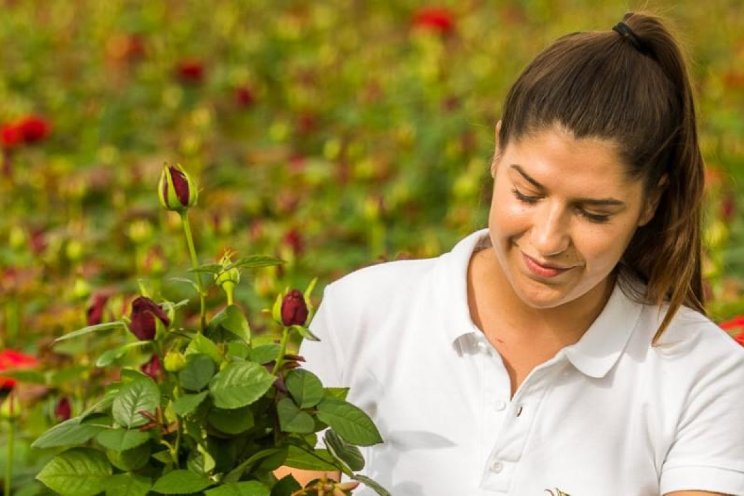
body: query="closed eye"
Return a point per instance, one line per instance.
(528, 199)
(596, 218)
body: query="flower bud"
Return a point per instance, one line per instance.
(174, 361)
(62, 410)
(176, 189)
(152, 367)
(227, 279)
(294, 308)
(144, 311)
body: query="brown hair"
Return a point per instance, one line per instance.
(633, 89)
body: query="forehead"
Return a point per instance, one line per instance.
(555, 154)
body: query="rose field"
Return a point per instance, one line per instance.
(180, 179)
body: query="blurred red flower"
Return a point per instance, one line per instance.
(10, 136)
(34, 128)
(29, 129)
(13, 360)
(190, 71)
(437, 19)
(731, 324)
(293, 238)
(244, 97)
(740, 338)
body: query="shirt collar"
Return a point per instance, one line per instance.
(602, 344)
(593, 355)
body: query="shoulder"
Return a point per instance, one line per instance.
(692, 334)
(381, 278)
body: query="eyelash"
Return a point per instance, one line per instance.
(532, 200)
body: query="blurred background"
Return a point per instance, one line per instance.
(333, 134)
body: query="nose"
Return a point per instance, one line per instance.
(549, 233)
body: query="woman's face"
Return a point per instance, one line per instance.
(562, 214)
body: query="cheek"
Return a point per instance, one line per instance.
(507, 215)
(602, 249)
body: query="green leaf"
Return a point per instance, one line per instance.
(249, 488)
(76, 472)
(255, 261)
(128, 485)
(349, 422)
(130, 460)
(347, 453)
(122, 439)
(265, 353)
(240, 384)
(237, 472)
(202, 344)
(188, 403)
(238, 349)
(338, 393)
(208, 268)
(110, 356)
(305, 387)
(198, 372)
(181, 482)
(319, 459)
(140, 395)
(235, 322)
(231, 421)
(371, 484)
(107, 326)
(105, 402)
(292, 419)
(184, 280)
(286, 486)
(70, 432)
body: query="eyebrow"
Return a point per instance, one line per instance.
(610, 202)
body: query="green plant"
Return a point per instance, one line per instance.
(211, 411)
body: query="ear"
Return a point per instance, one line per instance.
(652, 201)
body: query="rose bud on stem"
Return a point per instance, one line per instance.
(177, 192)
(293, 311)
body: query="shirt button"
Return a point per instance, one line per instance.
(497, 467)
(500, 405)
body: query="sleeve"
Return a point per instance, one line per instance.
(323, 358)
(708, 451)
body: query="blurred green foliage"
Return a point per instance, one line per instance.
(332, 134)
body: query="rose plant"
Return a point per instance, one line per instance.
(210, 411)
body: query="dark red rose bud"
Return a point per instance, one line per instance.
(144, 311)
(153, 368)
(176, 189)
(294, 308)
(94, 314)
(63, 410)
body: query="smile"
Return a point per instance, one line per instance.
(543, 270)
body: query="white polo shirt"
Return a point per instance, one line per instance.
(609, 415)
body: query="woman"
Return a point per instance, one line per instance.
(564, 348)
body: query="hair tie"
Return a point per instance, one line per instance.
(625, 31)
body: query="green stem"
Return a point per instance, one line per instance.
(195, 265)
(9, 447)
(282, 351)
(229, 293)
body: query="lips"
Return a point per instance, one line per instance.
(543, 270)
